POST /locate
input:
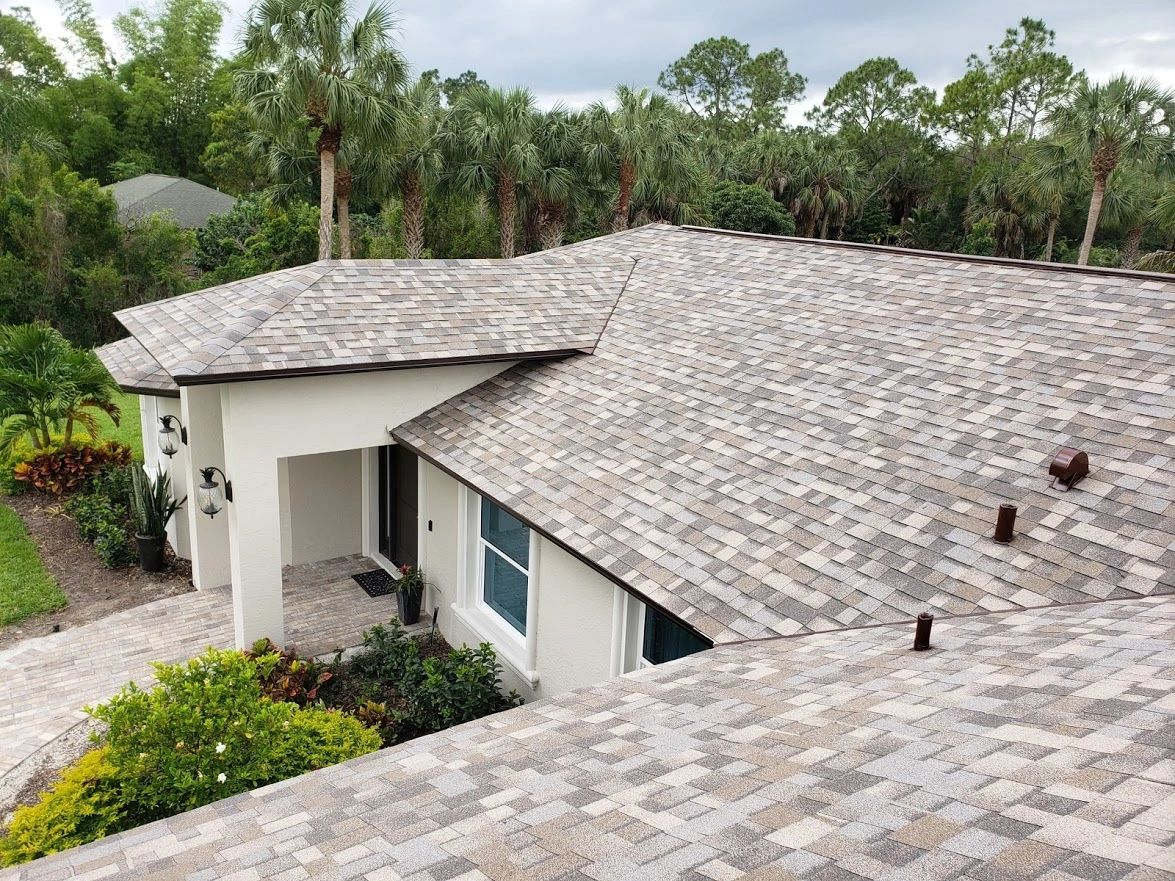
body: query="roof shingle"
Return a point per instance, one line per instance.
(779, 436)
(135, 370)
(341, 315)
(1024, 745)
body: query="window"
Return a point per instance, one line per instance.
(505, 564)
(666, 640)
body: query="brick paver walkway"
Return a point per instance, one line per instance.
(47, 680)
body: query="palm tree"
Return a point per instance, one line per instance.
(1122, 120)
(1130, 205)
(313, 65)
(553, 190)
(416, 160)
(826, 184)
(18, 127)
(770, 160)
(1162, 216)
(48, 386)
(1049, 175)
(492, 139)
(642, 136)
(1000, 198)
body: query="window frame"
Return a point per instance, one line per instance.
(516, 650)
(484, 545)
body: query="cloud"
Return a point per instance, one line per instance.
(575, 51)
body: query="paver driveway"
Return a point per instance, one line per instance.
(47, 680)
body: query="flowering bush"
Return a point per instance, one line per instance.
(205, 732)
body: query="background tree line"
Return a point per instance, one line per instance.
(337, 151)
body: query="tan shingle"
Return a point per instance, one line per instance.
(135, 370)
(334, 316)
(775, 436)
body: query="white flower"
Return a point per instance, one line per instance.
(220, 747)
(220, 778)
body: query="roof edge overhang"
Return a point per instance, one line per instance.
(371, 367)
(531, 524)
(940, 255)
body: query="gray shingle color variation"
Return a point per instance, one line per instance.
(135, 370)
(334, 316)
(775, 437)
(1024, 745)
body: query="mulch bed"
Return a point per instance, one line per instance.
(93, 590)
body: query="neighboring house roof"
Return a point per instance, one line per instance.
(343, 316)
(776, 436)
(135, 370)
(190, 204)
(1025, 745)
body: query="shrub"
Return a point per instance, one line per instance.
(84, 805)
(103, 520)
(113, 547)
(68, 468)
(206, 732)
(750, 209)
(286, 677)
(388, 654)
(404, 695)
(317, 738)
(459, 687)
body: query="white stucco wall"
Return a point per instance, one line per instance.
(266, 421)
(151, 407)
(323, 500)
(574, 640)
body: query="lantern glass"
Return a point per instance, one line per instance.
(209, 497)
(168, 440)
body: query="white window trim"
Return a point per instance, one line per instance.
(516, 650)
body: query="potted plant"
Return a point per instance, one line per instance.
(153, 505)
(409, 593)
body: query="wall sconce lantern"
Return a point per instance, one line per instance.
(208, 494)
(169, 438)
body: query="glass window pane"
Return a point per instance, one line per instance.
(504, 590)
(666, 640)
(508, 534)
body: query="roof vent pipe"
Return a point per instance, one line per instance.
(922, 631)
(1005, 524)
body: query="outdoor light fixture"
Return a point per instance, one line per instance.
(169, 438)
(208, 494)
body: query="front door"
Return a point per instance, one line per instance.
(397, 505)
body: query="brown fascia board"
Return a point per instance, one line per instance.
(148, 392)
(943, 255)
(373, 367)
(509, 509)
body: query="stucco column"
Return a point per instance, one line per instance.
(254, 525)
(207, 536)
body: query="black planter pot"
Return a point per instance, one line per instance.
(151, 552)
(409, 606)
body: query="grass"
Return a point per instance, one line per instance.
(25, 587)
(130, 429)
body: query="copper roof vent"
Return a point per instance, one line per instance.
(1068, 467)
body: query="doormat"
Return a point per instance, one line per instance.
(376, 583)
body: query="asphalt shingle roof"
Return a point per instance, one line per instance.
(1024, 745)
(190, 204)
(335, 316)
(135, 370)
(777, 436)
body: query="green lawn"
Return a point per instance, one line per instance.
(25, 587)
(130, 430)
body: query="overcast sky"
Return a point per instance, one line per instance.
(575, 51)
